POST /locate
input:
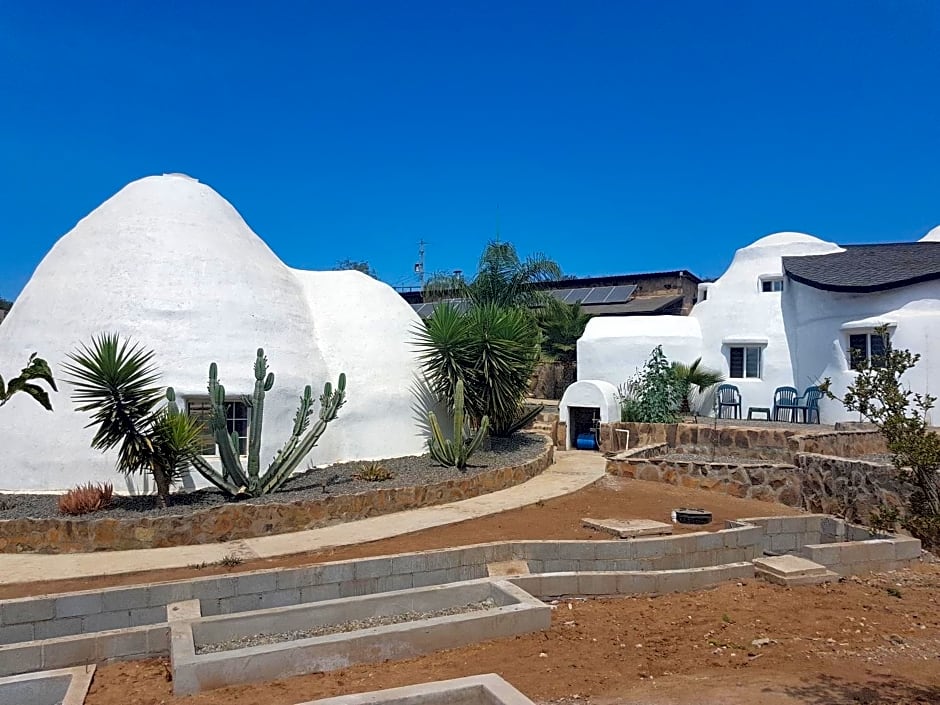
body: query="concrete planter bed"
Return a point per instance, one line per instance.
(239, 520)
(65, 686)
(488, 689)
(508, 611)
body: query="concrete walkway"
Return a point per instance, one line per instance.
(571, 471)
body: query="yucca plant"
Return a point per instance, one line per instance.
(36, 369)
(116, 381)
(494, 350)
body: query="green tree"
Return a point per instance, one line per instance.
(493, 349)
(359, 266)
(5, 304)
(116, 382)
(561, 325)
(901, 415)
(654, 394)
(694, 378)
(502, 278)
(36, 369)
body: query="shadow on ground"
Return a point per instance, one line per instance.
(830, 690)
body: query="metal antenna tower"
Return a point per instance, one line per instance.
(419, 267)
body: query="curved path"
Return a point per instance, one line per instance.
(571, 471)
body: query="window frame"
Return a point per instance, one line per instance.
(745, 355)
(231, 419)
(775, 282)
(849, 349)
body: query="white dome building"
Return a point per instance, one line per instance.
(171, 264)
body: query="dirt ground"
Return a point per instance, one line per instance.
(868, 641)
(558, 518)
(865, 641)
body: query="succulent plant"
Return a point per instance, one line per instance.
(455, 452)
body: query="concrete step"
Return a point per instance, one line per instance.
(792, 570)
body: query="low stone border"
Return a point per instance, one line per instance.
(245, 520)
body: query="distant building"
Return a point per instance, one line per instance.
(654, 293)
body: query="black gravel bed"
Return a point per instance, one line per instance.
(315, 483)
(705, 458)
(244, 642)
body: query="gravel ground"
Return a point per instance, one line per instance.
(245, 642)
(408, 471)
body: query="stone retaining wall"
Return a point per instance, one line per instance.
(245, 520)
(819, 483)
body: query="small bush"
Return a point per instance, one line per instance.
(86, 499)
(374, 472)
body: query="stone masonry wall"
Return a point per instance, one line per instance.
(245, 520)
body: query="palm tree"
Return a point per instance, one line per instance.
(561, 324)
(116, 382)
(502, 278)
(694, 376)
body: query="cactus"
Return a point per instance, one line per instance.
(456, 452)
(234, 480)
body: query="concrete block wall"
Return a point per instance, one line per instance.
(787, 534)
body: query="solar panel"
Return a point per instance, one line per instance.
(560, 294)
(597, 295)
(575, 295)
(620, 294)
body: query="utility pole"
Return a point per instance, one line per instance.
(419, 267)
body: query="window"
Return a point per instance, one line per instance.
(771, 284)
(236, 419)
(744, 362)
(866, 347)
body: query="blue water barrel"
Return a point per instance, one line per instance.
(585, 441)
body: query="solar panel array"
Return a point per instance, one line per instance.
(589, 296)
(596, 295)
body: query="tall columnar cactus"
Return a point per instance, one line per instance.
(235, 479)
(456, 452)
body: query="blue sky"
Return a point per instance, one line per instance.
(613, 136)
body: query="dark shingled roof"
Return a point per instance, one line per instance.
(864, 268)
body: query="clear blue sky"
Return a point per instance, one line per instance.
(614, 136)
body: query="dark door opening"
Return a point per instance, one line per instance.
(583, 427)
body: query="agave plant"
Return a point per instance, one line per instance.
(36, 369)
(116, 381)
(493, 349)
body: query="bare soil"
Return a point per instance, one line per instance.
(558, 518)
(867, 641)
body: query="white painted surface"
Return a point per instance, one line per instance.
(170, 263)
(590, 393)
(803, 332)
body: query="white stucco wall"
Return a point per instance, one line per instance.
(590, 393)
(170, 263)
(803, 332)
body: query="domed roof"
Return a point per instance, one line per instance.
(932, 235)
(785, 238)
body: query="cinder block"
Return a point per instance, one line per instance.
(158, 640)
(409, 563)
(443, 560)
(124, 599)
(614, 550)
(355, 588)
(21, 658)
(245, 603)
(651, 548)
(69, 651)
(296, 578)
(577, 551)
(213, 589)
(597, 584)
(78, 605)
(636, 583)
(125, 644)
(104, 621)
(432, 577)
(336, 572)
(400, 582)
(19, 632)
(27, 610)
(372, 568)
(560, 566)
(673, 581)
(165, 593)
(906, 548)
(827, 554)
(783, 542)
(318, 593)
(54, 628)
(280, 598)
(559, 584)
(149, 615)
(255, 583)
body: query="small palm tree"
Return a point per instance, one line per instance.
(116, 382)
(36, 369)
(697, 377)
(502, 278)
(561, 324)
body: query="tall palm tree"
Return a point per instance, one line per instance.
(502, 278)
(116, 382)
(697, 377)
(561, 324)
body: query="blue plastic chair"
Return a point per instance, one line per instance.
(808, 404)
(785, 399)
(728, 397)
